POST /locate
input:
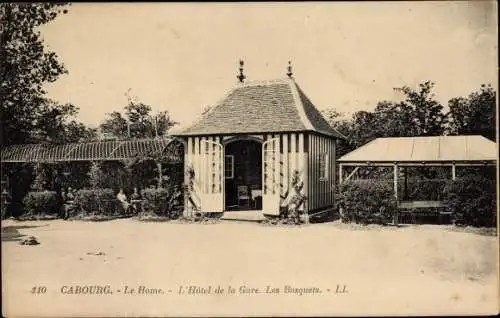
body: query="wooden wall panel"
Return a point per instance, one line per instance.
(333, 169)
(309, 171)
(314, 175)
(320, 191)
(322, 181)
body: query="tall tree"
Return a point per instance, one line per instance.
(427, 113)
(475, 114)
(55, 124)
(419, 115)
(395, 120)
(137, 122)
(342, 124)
(25, 66)
(364, 128)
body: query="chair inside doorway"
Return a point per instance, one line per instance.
(243, 175)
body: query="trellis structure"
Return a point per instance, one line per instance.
(169, 149)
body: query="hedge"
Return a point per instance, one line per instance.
(97, 201)
(472, 200)
(41, 202)
(165, 201)
(366, 202)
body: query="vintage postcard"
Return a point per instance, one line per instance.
(249, 159)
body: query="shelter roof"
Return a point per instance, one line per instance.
(424, 149)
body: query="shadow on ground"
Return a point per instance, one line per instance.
(12, 234)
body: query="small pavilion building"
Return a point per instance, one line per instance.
(244, 153)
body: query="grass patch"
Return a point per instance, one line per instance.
(152, 217)
(365, 227)
(95, 217)
(198, 219)
(485, 231)
(37, 217)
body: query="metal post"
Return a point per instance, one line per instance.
(341, 212)
(453, 172)
(405, 194)
(396, 181)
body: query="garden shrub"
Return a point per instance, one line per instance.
(97, 201)
(422, 189)
(472, 200)
(165, 201)
(366, 202)
(290, 214)
(41, 202)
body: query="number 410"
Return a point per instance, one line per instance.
(39, 290)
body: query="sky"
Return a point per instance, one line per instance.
(182, 57)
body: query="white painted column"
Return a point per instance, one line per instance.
(210, 163)
(286, 181)
(219, 162)
(203, 164)
(396, 176)
(341, 166)
(277, 159)
(301, 165)
(196, 159)
(270, 166)
(453, 172)
(396, 180)
(188, 163)
(293, 157)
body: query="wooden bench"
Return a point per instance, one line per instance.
(410, 207)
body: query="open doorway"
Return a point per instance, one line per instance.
(243, 175)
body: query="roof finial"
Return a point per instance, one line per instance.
(289, 68)
(241, 77)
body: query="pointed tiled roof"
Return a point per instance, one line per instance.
(263, 107)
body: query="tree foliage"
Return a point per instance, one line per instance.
(426, 114)
(339, 122)
(474, 114)
(25, 67)
(418, 115)
(137, 122)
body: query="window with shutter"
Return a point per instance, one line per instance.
(323, 166)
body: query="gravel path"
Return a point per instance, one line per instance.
(409, 270)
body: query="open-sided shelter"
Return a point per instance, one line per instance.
(407, 152)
